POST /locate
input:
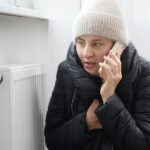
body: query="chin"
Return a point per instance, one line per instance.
(92, 72)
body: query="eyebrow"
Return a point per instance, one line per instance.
(97, 40)
(94, 40)
(79, 38)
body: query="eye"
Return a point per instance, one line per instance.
(97, 45)
(80, 43)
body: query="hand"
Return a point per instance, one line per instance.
(91, 118)
(111, 74)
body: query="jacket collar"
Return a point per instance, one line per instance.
(87, 85)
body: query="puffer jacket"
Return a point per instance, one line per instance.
(125, 117)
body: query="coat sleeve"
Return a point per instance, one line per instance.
(61, 132)
(128, 131)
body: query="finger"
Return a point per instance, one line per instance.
(107, 69)
(102, 72)
(120, 64)
(118, 55)
(95, 104)
(116, 58)
(113, 65)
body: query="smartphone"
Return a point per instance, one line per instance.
(118, 47)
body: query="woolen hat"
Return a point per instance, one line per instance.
(101, 18)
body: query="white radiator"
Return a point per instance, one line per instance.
(22, 106)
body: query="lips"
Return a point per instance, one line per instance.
(89, 65)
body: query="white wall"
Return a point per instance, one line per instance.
(23, 40)
(138, 15)
(62, 14)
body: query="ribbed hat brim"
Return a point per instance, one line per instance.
(101, 24)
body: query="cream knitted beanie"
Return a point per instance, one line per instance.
(101, 18)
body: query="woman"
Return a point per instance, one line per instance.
(89, 112)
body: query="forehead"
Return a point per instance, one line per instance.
(91, 38)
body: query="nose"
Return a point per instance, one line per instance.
(87, 52)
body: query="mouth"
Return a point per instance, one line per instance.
(89, 65)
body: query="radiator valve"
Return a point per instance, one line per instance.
(1, 79)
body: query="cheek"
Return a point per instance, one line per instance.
(79, 52)
(100, 56)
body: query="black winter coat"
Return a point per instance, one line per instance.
(125, 117)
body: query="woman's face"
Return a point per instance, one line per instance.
(91, 50)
